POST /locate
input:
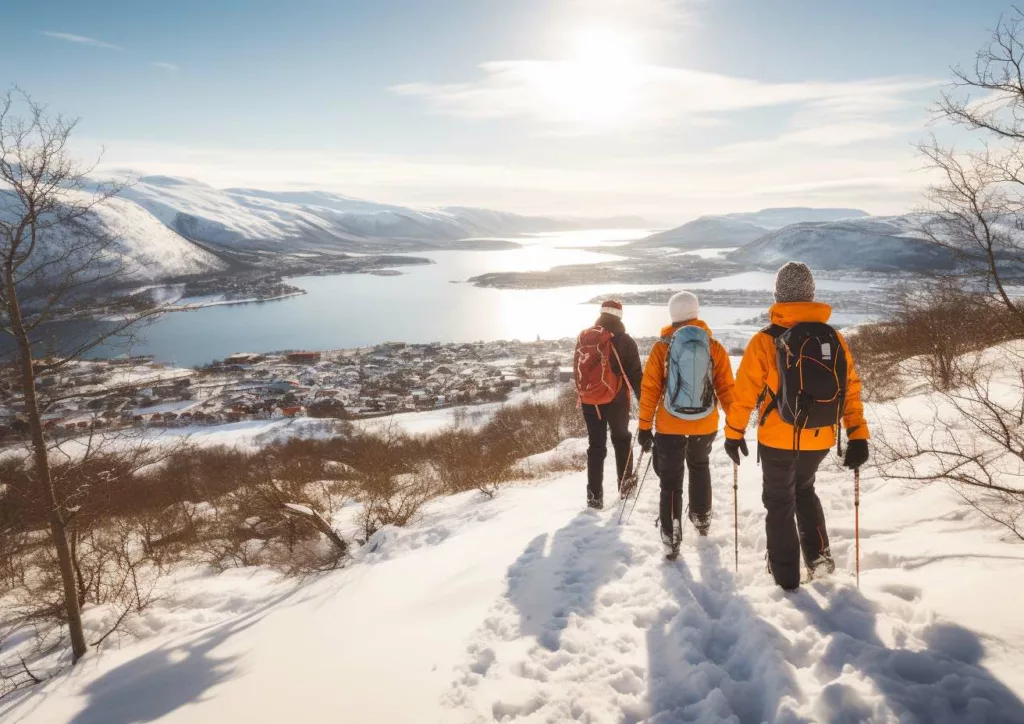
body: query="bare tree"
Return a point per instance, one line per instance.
(56, 262)
(970, 437)
(978, 203)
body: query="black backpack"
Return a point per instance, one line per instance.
(812, 368)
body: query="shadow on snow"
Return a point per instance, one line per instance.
(159, 682)
(547, 590)
(944, 683)
(714, 657)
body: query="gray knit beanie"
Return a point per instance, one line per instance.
(794, 283)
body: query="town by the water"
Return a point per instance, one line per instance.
(390, 378)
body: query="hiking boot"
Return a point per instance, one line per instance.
(768, 568)
(702, 522)
(822, 565)
(672, 540)
(628, 486)
(595, 503)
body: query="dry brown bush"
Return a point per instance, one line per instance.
(134, 511)
(937, 322)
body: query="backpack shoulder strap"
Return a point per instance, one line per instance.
(774, 331)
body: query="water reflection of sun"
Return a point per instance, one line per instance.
(548, 313)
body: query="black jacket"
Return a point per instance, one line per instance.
(625, 345)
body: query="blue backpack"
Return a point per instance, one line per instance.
(689, 374)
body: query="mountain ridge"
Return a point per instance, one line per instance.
(718, 231)
(873, 243)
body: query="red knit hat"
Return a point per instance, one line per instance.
(612, 307)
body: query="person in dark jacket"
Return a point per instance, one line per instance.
(612, 417)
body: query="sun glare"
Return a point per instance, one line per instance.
(596, 85)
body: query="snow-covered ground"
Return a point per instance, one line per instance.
(530, 608)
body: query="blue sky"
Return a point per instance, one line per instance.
(667, 108)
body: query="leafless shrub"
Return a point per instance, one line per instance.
(484, 458)
(936, 322)
(970, 437)
(569, 415)
(396, 500)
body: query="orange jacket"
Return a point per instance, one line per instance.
(759, 369)
(653, 388)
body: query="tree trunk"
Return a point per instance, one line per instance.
(58, 531)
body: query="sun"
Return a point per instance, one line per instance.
(597, 84)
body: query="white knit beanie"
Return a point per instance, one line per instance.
(683, 307)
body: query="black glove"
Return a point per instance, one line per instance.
(645, 438)
(733, 448)
(856, 454)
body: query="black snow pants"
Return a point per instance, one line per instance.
(674, 454)
(788, 491)
(613, 418)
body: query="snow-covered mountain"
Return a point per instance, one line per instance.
(146, 249)
(776, 218)
(876, 243)
(287, 221)
(738, 229)
(152, 250)
(707, 232)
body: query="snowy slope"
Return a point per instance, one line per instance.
(138, 243)
(530, 608)
(738, 229)
(152, 250)
(215, 216)
(891, 243)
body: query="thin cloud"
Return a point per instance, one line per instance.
(80, 39)
(568, 94)
(165, 66)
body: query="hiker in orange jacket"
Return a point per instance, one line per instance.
(679, 442)
(790, 458)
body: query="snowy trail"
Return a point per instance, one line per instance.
(528, 608)
(595, 626)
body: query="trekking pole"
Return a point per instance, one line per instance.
(638, 489)
(856, 519)
(736, 514)
(636, 471)
(629, 458)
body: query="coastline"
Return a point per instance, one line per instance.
(178, 307)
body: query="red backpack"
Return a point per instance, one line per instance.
(596, 381)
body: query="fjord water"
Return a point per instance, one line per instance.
(428, 303)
